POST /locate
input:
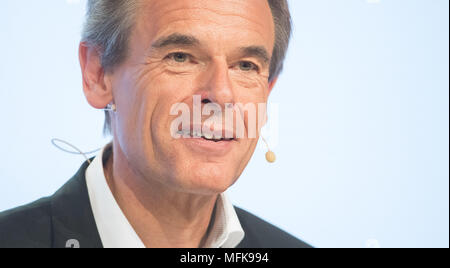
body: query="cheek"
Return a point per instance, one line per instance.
(165, 92)
(249, 88)
(170, 90)
(248, 80)
(127, 95)
(138, 99)
(252, 103)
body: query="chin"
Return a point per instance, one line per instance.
(206, 180)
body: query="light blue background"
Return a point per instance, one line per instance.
(363, 145)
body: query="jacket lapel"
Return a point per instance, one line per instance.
(73, 223)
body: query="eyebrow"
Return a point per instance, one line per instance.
(188, 40)
(256, 51)
(175, 39)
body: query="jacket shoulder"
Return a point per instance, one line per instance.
(27, 226)
(261, 234)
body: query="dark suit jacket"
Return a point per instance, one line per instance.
(52, 221)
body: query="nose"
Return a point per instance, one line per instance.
(217, 86)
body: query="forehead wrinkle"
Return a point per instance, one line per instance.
(193, 40)
(169, 18)
(223, 14)
(242, 9)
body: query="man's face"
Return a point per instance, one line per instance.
(180, 48)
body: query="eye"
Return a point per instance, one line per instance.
(178, 57)
(248, 66)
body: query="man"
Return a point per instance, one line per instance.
(150, 187)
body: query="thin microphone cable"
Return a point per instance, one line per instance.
(109, 107)
(77, 151)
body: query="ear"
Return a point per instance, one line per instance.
(272, 84)
(97, 91)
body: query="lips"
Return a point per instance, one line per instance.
(208, 142)
(195, 131)
(210, 136)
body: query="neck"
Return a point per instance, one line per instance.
(162, 217)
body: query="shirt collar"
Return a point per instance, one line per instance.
(116, 232)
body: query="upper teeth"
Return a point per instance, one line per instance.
(195, 134)
(183, 132)
(208, 135)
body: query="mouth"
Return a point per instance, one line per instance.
(206, 136)
(207, 144)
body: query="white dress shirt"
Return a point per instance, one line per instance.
(116, 232)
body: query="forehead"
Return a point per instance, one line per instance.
(222, 21)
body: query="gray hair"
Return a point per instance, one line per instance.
(109, 23)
